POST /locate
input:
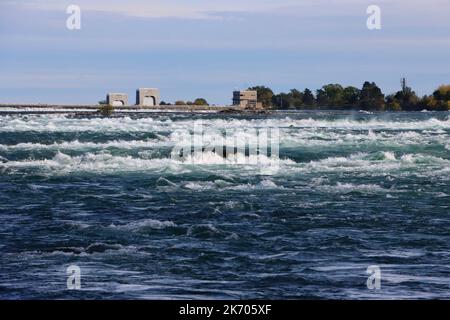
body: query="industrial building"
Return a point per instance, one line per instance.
(117, 99)
(246, 99)
(147, 97)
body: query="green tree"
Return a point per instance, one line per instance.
(308, 98)
(265, 95)
(282, 101)
(291, 100)
(322, 98)
(392, 103)
(442, 97)
(371, 97)
(407, 98)
(180, 103)
(330, 95)
(442, 93)
(296, 98)
(201, 102)
(350, 96)
(106, 110)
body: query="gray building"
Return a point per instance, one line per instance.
(246, 99)
(147, 97)
(117, 99)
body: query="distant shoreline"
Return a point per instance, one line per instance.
(60, 108)
(95, 109)
(97, 106)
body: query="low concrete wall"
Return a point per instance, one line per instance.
(77, 108)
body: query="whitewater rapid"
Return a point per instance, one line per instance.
(126, 144)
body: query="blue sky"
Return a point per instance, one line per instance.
(208, 48)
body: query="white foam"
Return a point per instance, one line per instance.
(349, 188)
(141, 225)
(102, 162)
(389, 156)
(63, 123)
(62, 163)
(212, 158)
(293, 133)
(77, 145)
(225, 185)
(289, 138)
(267, 183)
(373, 163)
(382, 163)
(200, 185)
(264, 185)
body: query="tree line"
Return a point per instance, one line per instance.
(369, 97)
(196, 102)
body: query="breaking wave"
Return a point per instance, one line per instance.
(77, 145)
(143, 225)
(350, 188)
(64, 123)
(106, 162)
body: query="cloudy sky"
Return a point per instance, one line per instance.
(208, 48)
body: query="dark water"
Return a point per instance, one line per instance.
(353, 190)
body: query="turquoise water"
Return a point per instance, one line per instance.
(352, 190)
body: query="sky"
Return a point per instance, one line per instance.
(208, 48)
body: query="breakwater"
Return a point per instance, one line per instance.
(60, 108)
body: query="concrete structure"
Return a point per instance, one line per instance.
(117, 99)
(9, 108)
(147, 97)
(246, 99)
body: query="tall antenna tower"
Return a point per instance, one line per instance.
(404, 86)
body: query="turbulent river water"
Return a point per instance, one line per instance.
(352, 190)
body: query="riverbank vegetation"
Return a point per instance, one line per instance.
(197, 102)
(106, 109)
(369, 97)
